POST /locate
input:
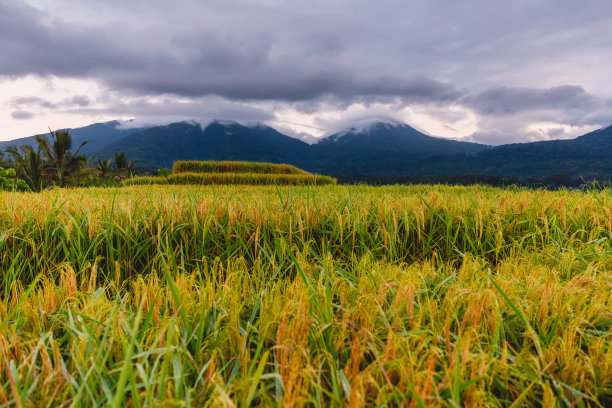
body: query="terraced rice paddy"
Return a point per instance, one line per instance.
(305, 296)
(235, 173)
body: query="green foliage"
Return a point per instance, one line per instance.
(30, 165)
(164, 172)
(60, 162)
(10, 182)
(124, 167)
(54, 163)
(234, 167)
(105, 167)
(121, 161)
(51, 162)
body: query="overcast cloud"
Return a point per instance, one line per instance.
(480, 70)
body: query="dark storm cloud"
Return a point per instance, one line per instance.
(504, 100)
(197, 62)
(509, 65)
(288, 81)
(22, 115)
(30, 46)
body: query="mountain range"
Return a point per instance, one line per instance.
(382, 151)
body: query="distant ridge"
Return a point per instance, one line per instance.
(98, 136)
(160, 146)
(588, 156)
(386, 149)
(382, 150)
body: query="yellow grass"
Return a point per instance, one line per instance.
(306, 296)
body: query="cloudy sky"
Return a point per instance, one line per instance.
(493, 72)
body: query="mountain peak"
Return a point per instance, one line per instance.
(375, 125)
(233, 123)
(370, 127)
(224, 122)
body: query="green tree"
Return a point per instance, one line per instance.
(60, 160)
(104, 167)
(30, 165)
(124, 168)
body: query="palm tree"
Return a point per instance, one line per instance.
(59, 159)
(30, 165)
(124, 168)
(104, 167)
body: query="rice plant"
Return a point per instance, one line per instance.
(258, 179)
(305, 296)
(234, 167)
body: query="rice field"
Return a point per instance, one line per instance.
(222, 178)
(192, 166)
(181, 296)
(234, 173)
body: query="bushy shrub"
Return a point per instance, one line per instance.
(164, 172)
(10, 182)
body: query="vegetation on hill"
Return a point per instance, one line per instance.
(54, 163)
(388, 150)
(160, 146)
(384, 152)
(293, 296)
(589, 157)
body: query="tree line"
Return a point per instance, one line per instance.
(53, 162)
